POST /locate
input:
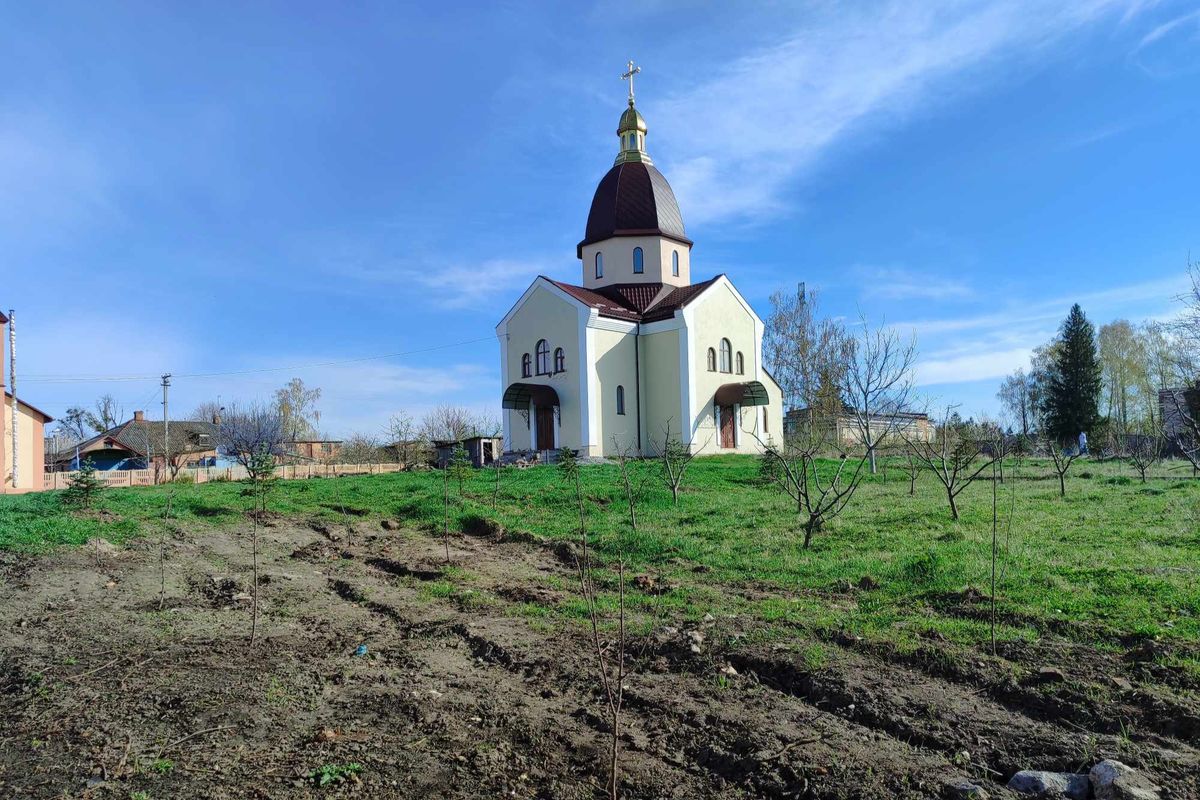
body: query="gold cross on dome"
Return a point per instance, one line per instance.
(631, 70)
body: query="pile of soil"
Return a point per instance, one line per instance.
(365, 682)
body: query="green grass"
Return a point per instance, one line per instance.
(1120, 557)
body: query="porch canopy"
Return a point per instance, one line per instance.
(750, 393)
(518, 396)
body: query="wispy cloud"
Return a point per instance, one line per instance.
(776, 113)
(900, 283)
(993, 344)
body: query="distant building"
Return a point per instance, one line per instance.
(482, 450)
(844, 429)
(312, 450)
(1179, 409)
(139, 443)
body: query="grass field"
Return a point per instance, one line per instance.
(1114, 560)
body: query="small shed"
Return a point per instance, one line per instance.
(482, 450)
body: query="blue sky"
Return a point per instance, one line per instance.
(195, 188)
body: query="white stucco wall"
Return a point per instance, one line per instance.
(618, 261)
(719, 313)
(30, 444)
(544, 314)
(615, 366)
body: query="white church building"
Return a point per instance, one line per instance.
(639, 351)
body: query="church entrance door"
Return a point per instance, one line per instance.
(727, 426)
(545, 427)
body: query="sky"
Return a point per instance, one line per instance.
(241, 194)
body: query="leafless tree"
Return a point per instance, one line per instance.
(911, 467)
(955, 456)
(674, 457)
(399, 434)
(361, 448)
(1062, 456)
(805, 353)
(106, 414)
(610, 659)
(207, 411)
(73, 426)
(447, 424)
(296, 404)
(1144, 451)
(820, 487)
(248, 432)
(877, 384)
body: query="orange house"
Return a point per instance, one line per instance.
(30, 458)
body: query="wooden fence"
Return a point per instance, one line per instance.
(147, 477)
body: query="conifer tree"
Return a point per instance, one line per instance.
(1073, 391)
(83, 486)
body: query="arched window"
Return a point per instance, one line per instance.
(712, 360)
(526, 362)
(726, 356)
(675, 263)
(637, 259)
(739, 364)
(560, 360)
(543, 357)
(621, 400)
(599, 265)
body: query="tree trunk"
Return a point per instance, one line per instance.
(1062, 484)
(675, 493)
(953, 504)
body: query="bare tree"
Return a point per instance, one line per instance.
(207, 411)
(73, 425)
(106, 414)
(249, 432)
(610, 659)
(361, 448)
(1062, 456)
(955, 456)
(297, 407)
(447, 424)
(399, 434)
(805, 353)
(877, 384)
(1144, 451)
(674, 457)
(820, 490)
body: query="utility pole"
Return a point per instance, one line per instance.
(12, 375)
(166, 385)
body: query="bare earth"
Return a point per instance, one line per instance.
(102, 695)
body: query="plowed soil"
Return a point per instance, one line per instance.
(470, 688)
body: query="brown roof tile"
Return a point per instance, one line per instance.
(636, 302)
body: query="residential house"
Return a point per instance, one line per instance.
(140, 443)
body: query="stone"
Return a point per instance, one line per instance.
(1112, 780)
(963, 789)
(1033, 781)
(1122, 684)
(389, 525)
(1051, 674)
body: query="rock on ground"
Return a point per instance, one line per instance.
(1033, 781)
(1112, 780)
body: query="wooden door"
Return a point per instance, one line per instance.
(727, 426)
(545, 427)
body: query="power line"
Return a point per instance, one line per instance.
(116, 378)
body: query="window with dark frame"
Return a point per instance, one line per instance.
(526, 363)
(599, 265)
(638, 266)
(621, 401)
(675, 263)
(726, 356)
(740, 363)
(560, 360)
(712, 360)
(542, 352)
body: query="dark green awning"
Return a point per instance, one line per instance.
(750, 393)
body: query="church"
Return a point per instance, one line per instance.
(638, 351)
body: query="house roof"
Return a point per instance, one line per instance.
(133, 435)
(636, 302)
(3, 319)
(45, 417)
